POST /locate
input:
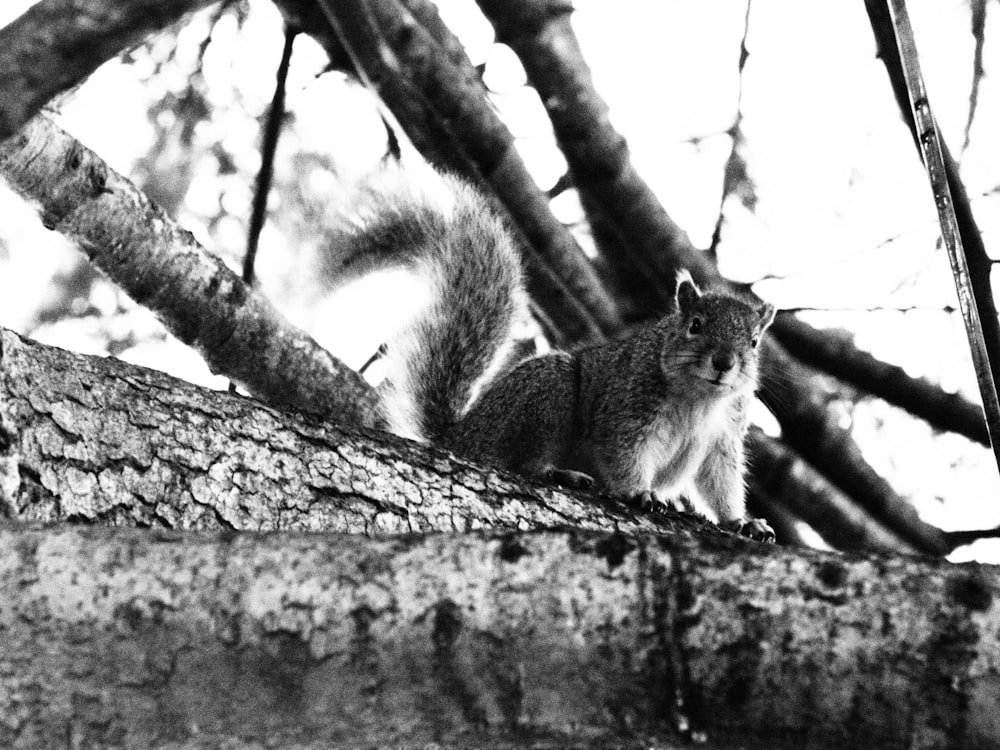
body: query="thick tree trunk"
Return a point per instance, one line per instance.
(117, 638)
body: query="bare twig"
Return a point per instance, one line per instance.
(978, 9)
(735, 178)
(269, 144)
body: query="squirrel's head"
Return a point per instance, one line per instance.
(716, 338)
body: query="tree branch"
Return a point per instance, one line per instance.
(122, 445)
(838, 356)
(56, 44)
(808, 425)
(789, 482)
(980, 265)
(541, 35)
(118, 638)
(161, 266)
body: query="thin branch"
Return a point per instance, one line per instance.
(931, 149)
(735, 176)
(975, 251)
(978, 18)
(269, 145)
(161, 266)
(944, 309)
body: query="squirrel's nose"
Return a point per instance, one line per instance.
(724, 360)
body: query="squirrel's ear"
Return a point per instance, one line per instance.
(767, 312)
(687, 290)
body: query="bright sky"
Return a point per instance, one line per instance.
(844, 219)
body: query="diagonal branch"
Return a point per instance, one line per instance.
(931, 149)
(980, 265)
(116, 444)
(809, 426)
(161, 266)
(785, 479)
(541, 35)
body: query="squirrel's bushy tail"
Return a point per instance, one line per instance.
(443, 229)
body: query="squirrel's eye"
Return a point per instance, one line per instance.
(754, 341)
(695, 328)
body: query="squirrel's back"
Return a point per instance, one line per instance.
(442, 228)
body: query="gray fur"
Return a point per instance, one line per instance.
(448, 234)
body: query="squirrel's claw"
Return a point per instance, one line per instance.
(574, 480)
(753, 528)
(646, 500)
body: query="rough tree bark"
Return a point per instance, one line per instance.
(114, 638)
(99, 441)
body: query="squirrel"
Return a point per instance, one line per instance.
(651, 416)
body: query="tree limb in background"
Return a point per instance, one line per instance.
(456, 96)
(555, 639)
(426, 14)
(809, 426)
(56, 44)
(541, 35)
(115, 444)
(837, 355)
(637, 294)
(786, 480)
(980, 265)
(161, 266)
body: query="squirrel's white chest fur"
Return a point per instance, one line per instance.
(675, 446)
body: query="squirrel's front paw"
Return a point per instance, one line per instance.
(754, 528)
(574, 480)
